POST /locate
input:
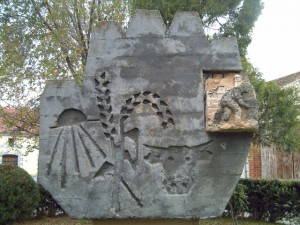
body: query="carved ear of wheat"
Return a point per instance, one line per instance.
(102, 87)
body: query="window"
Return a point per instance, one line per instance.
(10, 159)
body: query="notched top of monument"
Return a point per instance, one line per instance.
(150, 23)
(221, 54)
(106, 30)
(225, 45)
(186, 24)
(146, 23)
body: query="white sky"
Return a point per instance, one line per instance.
(275, 47)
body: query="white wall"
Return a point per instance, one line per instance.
(28, 162)
(246, 173)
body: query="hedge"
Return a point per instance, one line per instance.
(19, 194)
(48, 206)
(269, 200)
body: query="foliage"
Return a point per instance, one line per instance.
(223, 18)
(19, 194)
(21, 122)
(48, 206)
(270, 200)
(42, 40)
(238, 202)
(228, 221)
(279, 112)
(49, 39)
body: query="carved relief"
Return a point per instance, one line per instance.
(179, 164)
(231, 104)
(125, 144)
(160, 107)
(74, 152)
(102, 83)
(130, 142)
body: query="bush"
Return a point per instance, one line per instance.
(238, 203)
(48, 206)
(270, 200)
(19, 194)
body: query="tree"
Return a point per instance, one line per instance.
(278, 122)
(42, 40)
(279, 112)
(221, 18)
(49, 39)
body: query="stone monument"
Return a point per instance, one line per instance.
(148, 134)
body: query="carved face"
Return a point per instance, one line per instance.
(179, 164)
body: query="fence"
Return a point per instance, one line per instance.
(279, 165)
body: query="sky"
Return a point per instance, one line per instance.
(275, 47)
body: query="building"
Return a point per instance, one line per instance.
(16, 146)
(292, 80)
(267, 162)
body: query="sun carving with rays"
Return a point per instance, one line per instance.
(74, 151)
(76, 147)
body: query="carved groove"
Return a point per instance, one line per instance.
(106, 167)
(154, 106)
(93, 142)
(54, 151)
(128, 101)
(168, 112)
(134, 136)
(64, 164)
(160, 114)
(87, 152)
(77, 169)
(156, 96)
(137, 200)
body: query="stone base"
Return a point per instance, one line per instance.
(146, 222)
(234, 126)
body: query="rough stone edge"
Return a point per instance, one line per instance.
(146, 23)
(226, 128)
(225, 45)
(225, 50)
(106, 30)
(190, 21)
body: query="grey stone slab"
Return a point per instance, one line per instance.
(106, 30)
(131, 142)
(146, 23)
(186, 24)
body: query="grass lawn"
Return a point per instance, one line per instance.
(64, 220)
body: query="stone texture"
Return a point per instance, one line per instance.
(132, 143)
(230, 104)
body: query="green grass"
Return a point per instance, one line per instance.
(228, 221)
(64, 220)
